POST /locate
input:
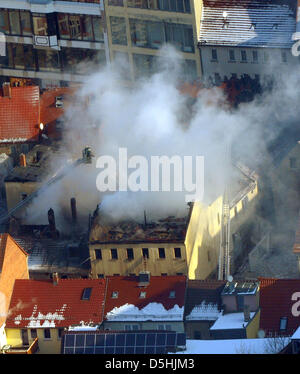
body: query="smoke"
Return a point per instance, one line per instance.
(152, 118)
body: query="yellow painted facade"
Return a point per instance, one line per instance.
(169, 265)
(253, 327)
(50, 346)
(199, 252)
(125, 14)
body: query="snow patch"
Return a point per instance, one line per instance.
(231, 321)
(204, 312)
(151, 312)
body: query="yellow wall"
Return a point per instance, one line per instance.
(253, 327)
(14, 192)
(123, 266)
(152, 15)
(203, 239)
(51, 346)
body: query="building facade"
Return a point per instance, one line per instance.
(246, 38)
(137, 29)
(53, 43)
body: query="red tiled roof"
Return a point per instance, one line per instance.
(3, 247)
(157, 291)
(276, 302)
(34, 302)
(19, 115)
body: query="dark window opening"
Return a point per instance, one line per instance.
(145, 252)
(162, 253)
(33, 333)
(86, 294)
(98, 254)
(47, 334)
(177, 252)
(130, 255)
(114, 254)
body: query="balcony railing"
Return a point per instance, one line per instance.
(33, 348)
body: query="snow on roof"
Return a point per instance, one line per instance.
(247, 23)
(151, 312)
(82, 327)
(234, 346)
(35, 320)
(231, 321)
(296, 334)
(204, 311)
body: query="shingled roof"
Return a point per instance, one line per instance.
(43, 304)
(248, 23)
(276, 302)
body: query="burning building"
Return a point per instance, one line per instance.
(192, 245)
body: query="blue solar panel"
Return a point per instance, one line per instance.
(136, 342)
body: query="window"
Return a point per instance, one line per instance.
(15, 27)
(86, 294)
(208, 256)
(144, 65)
(231, 55)
(275, 26)
(131, 327)
(172, 295)
(244, 56)
(197, 335)
(266, 56)
(114, 254)
(161, 253)
(48, 60)
(145, 252)
(182, 6)
(25, 20)
(255, 56)
(116, 275)
(235, 211)
(245, 202)
(225, 25)
(33, 333)
(47, 334)
(164, 274)
(100, 276)
(283, 323)
(115, 2)
(253, 26)
(179, 273)
(214, 55)
(130, 255)
(118, 30)
(165, 327)
(114, 294)
(142, 295)
(293, 163)
(4, 23)
(283, 56)
(40, 26)
(98, 254)
(177, 252)
(60, 331)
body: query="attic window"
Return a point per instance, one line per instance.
(253, 26)
(142, 295)
(86, 294)
(115, 294)
(275, 26)
(172, 295)
(225, 25)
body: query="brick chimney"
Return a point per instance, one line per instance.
(6, 89)
(55, 279)
(73, 210)
(23, 160)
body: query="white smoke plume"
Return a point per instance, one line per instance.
(152, 118)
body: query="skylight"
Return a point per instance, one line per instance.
(172, 295)
(86, 294)
(142, 294)
(115, 294)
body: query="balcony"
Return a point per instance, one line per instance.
(33, 348)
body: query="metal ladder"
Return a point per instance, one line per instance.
(224, 256)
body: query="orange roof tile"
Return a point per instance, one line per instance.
(42, 304)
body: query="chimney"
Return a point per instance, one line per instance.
(55, 279)
(246, 313)
(6, 89)
(22, 160)
(51, 220)
(73, 210)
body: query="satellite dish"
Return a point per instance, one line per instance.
(230, 278)
(261, 334)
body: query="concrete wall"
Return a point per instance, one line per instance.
(157, 266)
(201, 327)
(152, 15)
(223, 66)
